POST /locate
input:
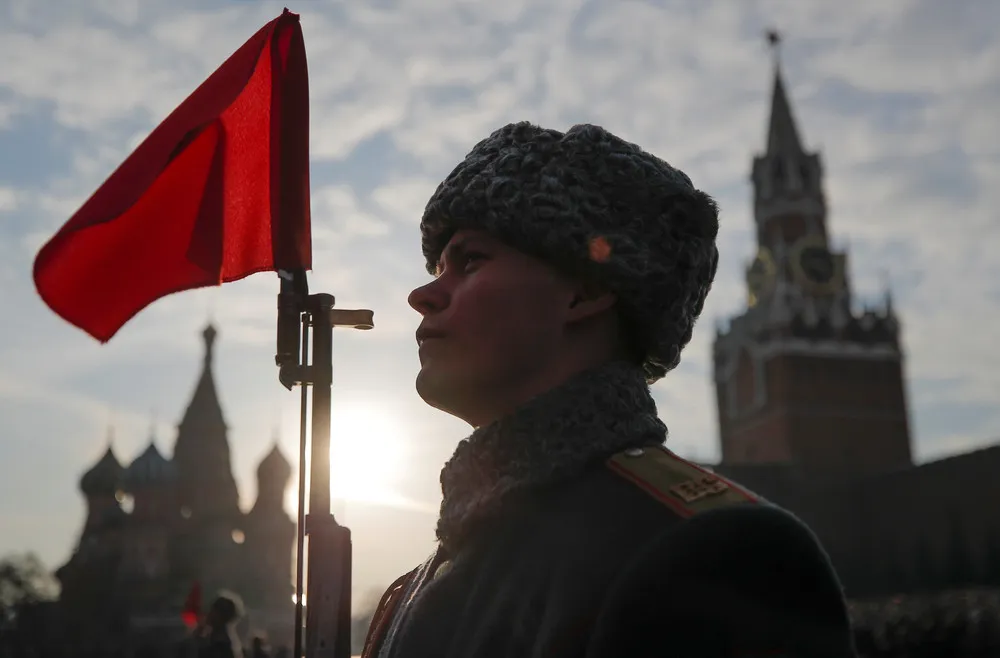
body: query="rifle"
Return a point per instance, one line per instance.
(328, 612)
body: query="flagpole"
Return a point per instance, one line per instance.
(328, 607)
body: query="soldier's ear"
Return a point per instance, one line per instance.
(590, 300)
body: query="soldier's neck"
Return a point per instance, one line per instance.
(553, 437)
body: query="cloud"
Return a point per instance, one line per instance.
(404, 200)
(94, 410)
(344, 217)
(8, 199)
(8, 109)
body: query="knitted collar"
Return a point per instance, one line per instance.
(551, 438)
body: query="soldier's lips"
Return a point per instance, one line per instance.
(425, 343)
(426, 333)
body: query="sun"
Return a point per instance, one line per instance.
(368, 451)
(366, 455)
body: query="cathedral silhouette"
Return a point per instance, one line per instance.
(157, 527)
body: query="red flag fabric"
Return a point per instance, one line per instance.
(192, 606)
(218, 191)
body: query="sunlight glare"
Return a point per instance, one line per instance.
(366, 455)
(368, 450)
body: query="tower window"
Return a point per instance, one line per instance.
(779, 171)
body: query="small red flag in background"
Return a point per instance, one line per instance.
(192, 606)
(218, 191)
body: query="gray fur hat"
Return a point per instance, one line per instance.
(595, 206)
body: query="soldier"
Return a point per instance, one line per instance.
(569, 269)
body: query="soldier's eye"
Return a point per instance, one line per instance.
(471, 257)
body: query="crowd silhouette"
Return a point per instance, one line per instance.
(952, 624)
(955, 623)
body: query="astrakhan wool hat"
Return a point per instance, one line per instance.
(595, 206)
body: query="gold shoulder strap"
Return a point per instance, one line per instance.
(684, 487)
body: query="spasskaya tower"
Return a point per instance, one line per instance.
(803, 377)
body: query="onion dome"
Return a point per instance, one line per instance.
(103, 479)
(274, 468)
(149, 469)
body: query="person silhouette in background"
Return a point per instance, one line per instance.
(259, 647)
(217, 637)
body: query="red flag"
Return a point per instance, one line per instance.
(218, 191)
(192, 606)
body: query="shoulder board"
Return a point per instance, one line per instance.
(684, 487)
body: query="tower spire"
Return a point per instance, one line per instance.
(201, 451)
(153, 422)
(774, 40)
(782, 135)
(209, 335)
(204, 409)
(887, 293)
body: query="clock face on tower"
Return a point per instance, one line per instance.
(815, 267)
(761, 276)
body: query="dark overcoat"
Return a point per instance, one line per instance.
(643, 554)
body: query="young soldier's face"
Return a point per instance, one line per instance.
(493, 321)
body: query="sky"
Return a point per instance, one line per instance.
(899, 97)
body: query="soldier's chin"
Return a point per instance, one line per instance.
(430, 386)
(439, 390)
